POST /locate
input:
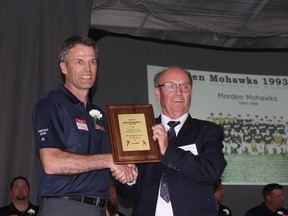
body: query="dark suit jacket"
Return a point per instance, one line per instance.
(190, 177)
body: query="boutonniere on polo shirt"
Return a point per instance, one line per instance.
(97, 119)
(31, 212)
(226, 211)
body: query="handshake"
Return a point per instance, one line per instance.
(124, 173)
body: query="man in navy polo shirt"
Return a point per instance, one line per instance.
(20, 199)
(273, 203)
(72, 153)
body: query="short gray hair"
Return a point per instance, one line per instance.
(71, 42)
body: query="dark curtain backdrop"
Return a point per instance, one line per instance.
(30, 34)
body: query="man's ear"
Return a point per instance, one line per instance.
(268, 198)
(63, 67)
(157, 93)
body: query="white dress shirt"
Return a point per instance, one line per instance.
(163, 208)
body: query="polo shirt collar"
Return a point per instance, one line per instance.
(72, 98)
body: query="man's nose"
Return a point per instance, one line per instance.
(178, 90)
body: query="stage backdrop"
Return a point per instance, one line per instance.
(252, 109)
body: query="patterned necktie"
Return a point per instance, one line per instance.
(171, 132)
(164, 193)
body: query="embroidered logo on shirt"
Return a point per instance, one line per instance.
(99, 127)
(42, 133)
(81, 124)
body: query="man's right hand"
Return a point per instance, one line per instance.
(124, 173)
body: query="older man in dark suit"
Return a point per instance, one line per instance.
(192, 157)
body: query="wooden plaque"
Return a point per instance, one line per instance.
(130, 129)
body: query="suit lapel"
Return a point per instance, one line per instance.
(188, 130)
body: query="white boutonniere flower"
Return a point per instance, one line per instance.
(226, 211)
(97, 119)
(96, 115)
(280, 213)
(31, 212)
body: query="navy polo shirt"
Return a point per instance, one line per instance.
(62, 121)
(11, 210)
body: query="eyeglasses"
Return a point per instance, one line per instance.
(172, 87)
